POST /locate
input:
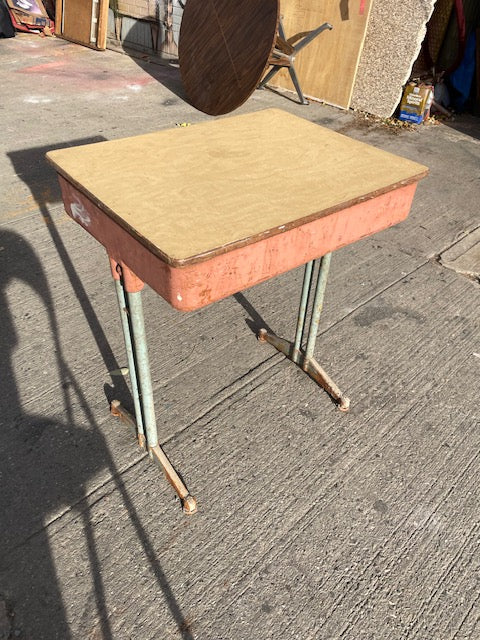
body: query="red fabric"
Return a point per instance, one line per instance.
(462, 34)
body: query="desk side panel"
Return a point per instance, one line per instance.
(198, 285)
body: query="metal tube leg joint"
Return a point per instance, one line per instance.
(293, 350)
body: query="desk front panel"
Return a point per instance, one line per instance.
(197, 285)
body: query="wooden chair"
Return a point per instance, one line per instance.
(284, 52)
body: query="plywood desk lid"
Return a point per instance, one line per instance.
(194, 192)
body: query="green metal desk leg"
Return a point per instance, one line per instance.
(132, 369)
(293, 350)
(136, 344)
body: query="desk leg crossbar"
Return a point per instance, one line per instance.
(144, 424)
(303, 357)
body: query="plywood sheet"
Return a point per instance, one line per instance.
(189, 191)
(77, 20)
(392, 43)
(83, 21)
(327, 66)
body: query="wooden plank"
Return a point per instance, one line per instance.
(102, 24)
(190, 190)
(78, 21)
(58, 17)
(327, 67)
(139, 9)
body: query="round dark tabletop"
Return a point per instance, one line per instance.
(224, 49)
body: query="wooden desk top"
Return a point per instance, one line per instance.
(223, 50)
(191, 193)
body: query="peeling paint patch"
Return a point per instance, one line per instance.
(464, 256)
(80, 213)
(37, 100)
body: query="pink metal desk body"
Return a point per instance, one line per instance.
(199, 284)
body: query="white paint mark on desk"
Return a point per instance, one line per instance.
(80, 213)
(37, 100)
(134, 87)
(179, 297)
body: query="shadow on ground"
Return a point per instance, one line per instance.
(465, 123)
(167, 72)
(164, 71)
(46, 462)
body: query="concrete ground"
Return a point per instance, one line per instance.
(312, 524)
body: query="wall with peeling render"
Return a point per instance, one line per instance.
(392, 43)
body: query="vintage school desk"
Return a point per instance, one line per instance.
(202, 212)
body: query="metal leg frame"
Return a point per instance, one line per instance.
(132, 369)
(144, 424)
(293, 350)
(289, 59)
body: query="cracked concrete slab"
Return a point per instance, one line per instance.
(464, 256)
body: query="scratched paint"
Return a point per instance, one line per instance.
(80, 213)
(37, 100)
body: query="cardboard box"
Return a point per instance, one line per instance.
(416, 101)
(32, 8)
(28, 15)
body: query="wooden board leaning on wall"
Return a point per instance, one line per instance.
(327, 66)
(82, 21)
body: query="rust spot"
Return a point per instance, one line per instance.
(142, 443)
(186, 625)
(114, 408)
